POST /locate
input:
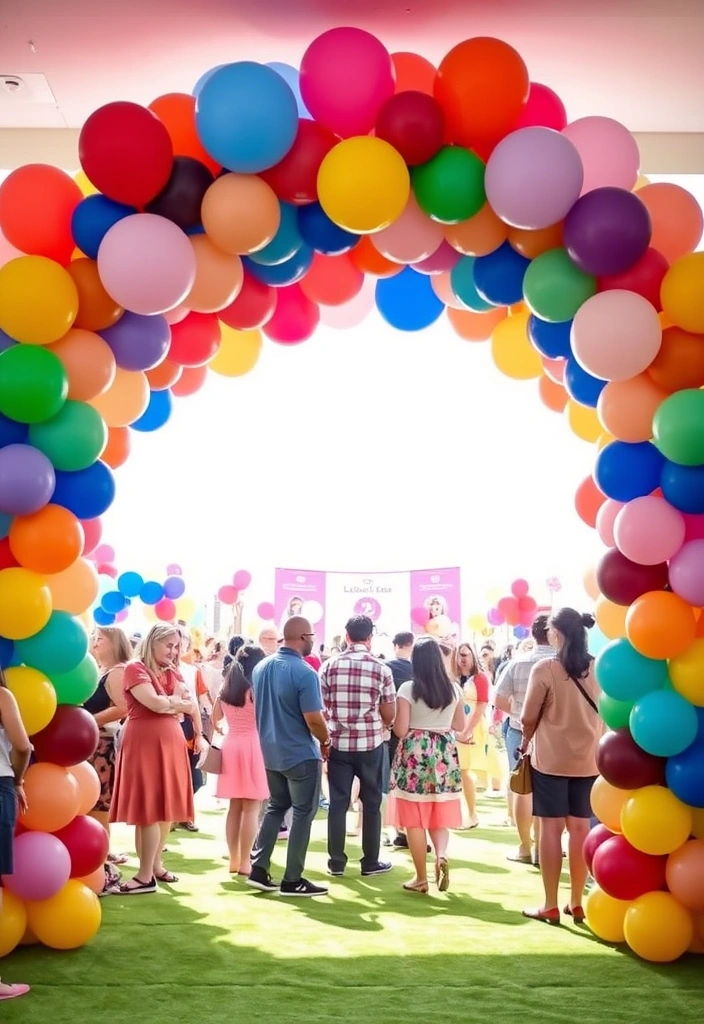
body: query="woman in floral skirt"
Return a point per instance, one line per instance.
(426, 780)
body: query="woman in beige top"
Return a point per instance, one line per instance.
(561, 718)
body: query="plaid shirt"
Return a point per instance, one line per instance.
(513, 681)
(353, 686)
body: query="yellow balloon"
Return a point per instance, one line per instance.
(584, 422)
(25, 603)
(610, 618)
(606, 915)
(658, 928)
(698, 823)
(38, 300)
(687, 673)
(682, 293)
(13, 922)
(603, 439)
(363, 184)
(511, 350)
(185, 608)
(641, 182)
(495, 594)
(85, 184)
(607, 803)
(67, 920)
(655, 821)
(477, 622)
(125, 400)
(35, 696)
(238, 353)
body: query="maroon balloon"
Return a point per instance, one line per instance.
(622, 581)
(252, 308)
(69, 738)
(295, 178)
(624, 872)
(414, 124)
(87, 843)
(625, 765)
(598, 835)
(180, 200)
(607, 231)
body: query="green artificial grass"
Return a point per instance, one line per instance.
(210, 949)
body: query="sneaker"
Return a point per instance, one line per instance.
(324, 804)
(387, 841)
(378, 869)
(303, 888)
(336, 873)
(283, 834)
(401, 842)
(188, 826)
(262, 880)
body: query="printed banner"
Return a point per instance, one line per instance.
(384, 597)
(301, 592)
(436, 602)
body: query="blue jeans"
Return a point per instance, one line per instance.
(513, 742)
(297, 787)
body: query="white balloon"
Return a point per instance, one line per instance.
(313, 611)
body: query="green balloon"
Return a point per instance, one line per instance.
(616, 713)
(678, 427)
(76, 686)
(450, 187)
(73, 439)
(33, 384)
(554, 287)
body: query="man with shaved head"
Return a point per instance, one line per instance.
(292, 732)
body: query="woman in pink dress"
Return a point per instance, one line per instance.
(242, 779)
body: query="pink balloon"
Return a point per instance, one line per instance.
(346, 77)
(554, 369)
(694, 527)
(295, 317)
(412, 237)
(147, 264)
(42, 866)
(265, 610)
(442, 286)
(352, 313)
(520, 588)
(648, 530)
(228, 594)
(165, 609)
(175, 316)
(616, 335)
(104, 553)
(605, 518)
(687, 573)
(242, 579)
(544, 109)
(419, 616)
(122, 616)
(174, 569)
(440, 262)
(608, 151)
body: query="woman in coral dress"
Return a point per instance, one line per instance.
(242, 779)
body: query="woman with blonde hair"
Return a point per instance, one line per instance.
(153, 775)
(472, 740)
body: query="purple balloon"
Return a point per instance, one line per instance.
(607, 231)
(687, 573)
(174, 587)
(138, 342)
(42, 866)
(27, 480)
(444, 258)
(494, 617)
(6, 341)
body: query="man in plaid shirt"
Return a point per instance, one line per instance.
(359, 697)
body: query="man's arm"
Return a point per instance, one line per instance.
(387, 705)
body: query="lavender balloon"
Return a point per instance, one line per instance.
(42, 866)
(27, 480)
(607, 231)
(174, 587)
(687, 573)
(138, 342)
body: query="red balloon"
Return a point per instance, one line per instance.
(7, 559)
(254, 305)
(414, 124)
(624, 872)
(509, 608)
(92, 531)
(544, 109)
(332, 280)
(126, 152)
(295, 178)
(87, 843)
(598, 835)
(622, 581)
(295, 317)
(588, 499)
(194, 341)
(228, 594)
(644, 277)
(69, 738)
(626, 765)
(191, 380)
(105, 569)
(165, 609)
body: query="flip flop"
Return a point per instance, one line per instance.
(167, 876)
(548, 916)
(14, 991)
(520, 858)
(138, 889)
(576, 913)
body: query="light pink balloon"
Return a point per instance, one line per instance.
(649, 530)
(442, 286)
(352, 313)
(554, 369)
(616, 335)
(687, 573)
(605, 520)
(439, 262)
(147, 264)
(175, 316)
(42, 867)
(609, 152)
(412, 237)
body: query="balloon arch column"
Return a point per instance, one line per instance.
(272, 200)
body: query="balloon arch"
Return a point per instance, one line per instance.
(271, 200)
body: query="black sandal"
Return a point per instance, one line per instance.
(138, 888)
(167, 876)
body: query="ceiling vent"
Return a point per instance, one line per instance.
(26, 101)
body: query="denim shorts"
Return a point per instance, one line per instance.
(513, 742)
(8, 817)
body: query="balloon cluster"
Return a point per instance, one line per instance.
(516, 609)
(167, 600)
(229, 593)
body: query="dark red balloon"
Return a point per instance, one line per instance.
(295, 178)
(624, 872)
(195, 340)
(644, 277)
(87, 843)
(623, 581)
(414, 124)
(625, 765)
(7, 559)
(126, 152)
(252, 308)
(69, 738)
(598, 835)
(181, 199)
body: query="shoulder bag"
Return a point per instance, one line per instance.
(520, 780)
(212, 762)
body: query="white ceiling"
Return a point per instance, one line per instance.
(639, 61)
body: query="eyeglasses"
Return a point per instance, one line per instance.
(304, 635)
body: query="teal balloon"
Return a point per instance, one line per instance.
(58, 648)
(285, 243)
(625, 675)
(76, 686)
(73, 439)
(616, 713)
(596, 641)
(462, 284)
(663, 723)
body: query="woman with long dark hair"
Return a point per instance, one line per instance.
(560, 718)
(426, 781)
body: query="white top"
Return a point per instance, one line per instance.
(6, 769)
(423, 717)
(188, 673)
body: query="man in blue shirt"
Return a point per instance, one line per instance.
(292, 733)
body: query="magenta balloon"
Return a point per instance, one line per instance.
(533, 178)
(687, 573)
(27, 480)
(174, 569)
(622, 581)
(265, 610)
(607, 231)
(295, 317)
(42, 866)
(494, 617)
(625, 765)
(694, 527)
(544, 109)
(242, 579)
(439, 262)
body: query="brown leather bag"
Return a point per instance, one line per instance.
(520, 781)
(212, 762)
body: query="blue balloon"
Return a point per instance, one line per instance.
(407, 301)
(205, 77)
(174, 587)
(12, 432)
(683, 487)
(288, 272)
(197, 229)
(551, 340)
(93, 218)
(292, 78)
(285, 243)
(5, 524)
(151, 592)
(6, 341)
(684, 774)
(581, 386)
(247, 117)
(113, 602)
(596, 641)
(663, 723)
(626, 471)
(57, 648)
(102, 618)
(157, 413)
(129, 584)
(625, 675)
(498, 277)
(463, 285)
(88, 493)
(7, 650)
(323, 234)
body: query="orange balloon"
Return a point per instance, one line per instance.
(680, 361)
(191, 380)
(48, 541)
(29, 938)
(240, 213)
(554, 369)
(95, 881)
(332, 280)
(660, 625)
(610, 618)
(478, 236)
(607, 802)
(88, 361)
(685, 875)
(76, 588)
(626, 407)
(118, 448)
(36, 205)
(588, 500)
(534, 243)
(367, 257)
(413, 73)
(471, 326)
(590, 584)
(52, 797)
(552, 395)
(442, 286)
(177, 112)
(219, 277)
(88, 786)
(482, 86)
(676, 218)
(96, 309)
(125, 400)
(163, 376)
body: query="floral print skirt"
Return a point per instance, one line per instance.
(103, 761)
(425, 782)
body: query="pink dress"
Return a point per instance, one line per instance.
(243, 776)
